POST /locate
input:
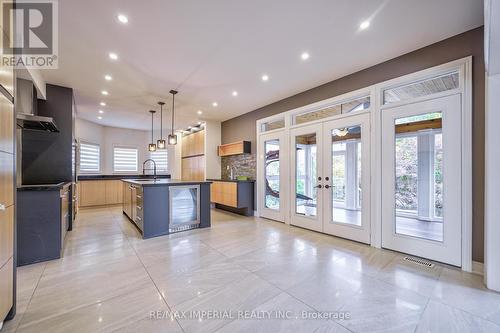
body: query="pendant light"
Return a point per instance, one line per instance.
(172, 138)
(152, 145)
(160, 144)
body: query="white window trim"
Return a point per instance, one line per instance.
(113, 160)
(464, 68)
(79, 171)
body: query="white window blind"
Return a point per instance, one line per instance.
(161, 159)
(124, 159)
(90, 158)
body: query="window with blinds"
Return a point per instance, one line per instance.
(90, 158)
(161, 159)
(125, 159)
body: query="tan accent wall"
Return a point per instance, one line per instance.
(469, 43)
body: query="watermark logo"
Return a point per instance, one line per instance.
(30, 36)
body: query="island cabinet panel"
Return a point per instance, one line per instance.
(6, 232)
(100, 192)
(6, 288)
(234, 196)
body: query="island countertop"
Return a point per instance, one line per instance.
(164, 182)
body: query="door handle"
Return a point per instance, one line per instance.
(2, 207)
(318, 186)
(327, 186)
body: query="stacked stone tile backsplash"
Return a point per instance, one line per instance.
(243, 165)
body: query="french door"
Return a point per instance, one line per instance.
(331, 177)
(306, 171)
(421, 179)
(273, 163)
(346, 170)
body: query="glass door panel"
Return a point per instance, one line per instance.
(421, 179)
(347, 169)
(273, 187)
(306, 154)
(306, 173)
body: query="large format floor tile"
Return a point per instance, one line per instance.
(243, 274)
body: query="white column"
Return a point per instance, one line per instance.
(492, 184)
(492, 150)
(425, 175)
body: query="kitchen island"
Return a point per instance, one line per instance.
(162, 206)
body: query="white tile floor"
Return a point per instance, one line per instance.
(110, 280)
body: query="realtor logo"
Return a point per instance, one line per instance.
(30, 34)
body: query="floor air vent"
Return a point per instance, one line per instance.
(420, 262)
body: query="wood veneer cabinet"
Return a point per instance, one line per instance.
(7, 196)
(99, 192)
(234, 196)
(193, 156)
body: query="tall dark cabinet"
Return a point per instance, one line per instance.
(47, 157)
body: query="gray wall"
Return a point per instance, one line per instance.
(469, 43)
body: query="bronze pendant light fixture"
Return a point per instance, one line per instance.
(172, 138)
(152, 145)
(160, 144)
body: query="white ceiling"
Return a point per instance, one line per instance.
(207, 49)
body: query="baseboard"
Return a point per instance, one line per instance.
(477, 267)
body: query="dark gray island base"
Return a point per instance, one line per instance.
(163, 206)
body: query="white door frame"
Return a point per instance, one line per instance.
(353, 232)
(282, 213)
(449, 250)
(308, 222)
(464, 67)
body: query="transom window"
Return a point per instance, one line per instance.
(358, 104)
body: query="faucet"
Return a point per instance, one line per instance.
(154, 167)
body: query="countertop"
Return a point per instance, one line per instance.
(43, 187)
(232, 180)
(167, 182)
(119, 177)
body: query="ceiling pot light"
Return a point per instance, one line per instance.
(199, 112)
(105, 93)
(152, 145)
(102, 104)
(304, 56)
(108, 77)
(122, 18)
(101, 112)
(235, 93)
(172, 138)
(215, 104)
(364, 25)
(113, 56)
(99, 117)
(161, 144)
(265, 77)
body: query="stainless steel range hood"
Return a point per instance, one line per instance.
(26, 109)
(36, 123)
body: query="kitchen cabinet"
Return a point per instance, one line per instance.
(193, 168)
(133, 205)
(7, 195)
(99, 193)
(234, 196)
(235, 148)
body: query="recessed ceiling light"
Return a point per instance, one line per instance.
(214, 104)
(265, 77)
(105, 93)
(364, 25)
(101, 112)
(113, 56)
(102, 104)
(122, 18)
(304, 56)
(99, 117)
(189, 127)
(108, 77)
(199, 112)
(235, 93)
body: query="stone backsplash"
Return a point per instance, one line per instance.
(243, 165)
